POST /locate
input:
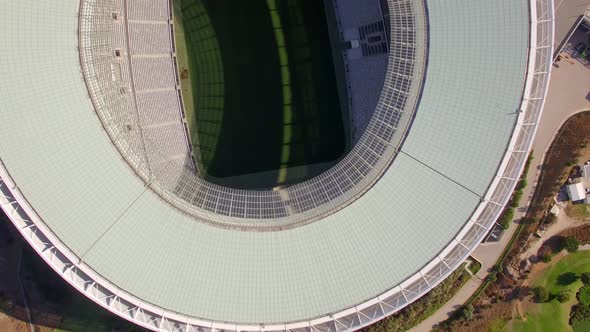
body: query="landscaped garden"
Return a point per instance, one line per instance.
(555, 293)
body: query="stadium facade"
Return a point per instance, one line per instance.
(98, 175)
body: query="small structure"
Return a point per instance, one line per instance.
(554, 210)
(586, 170)
(576, 191)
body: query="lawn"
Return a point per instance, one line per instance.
(552, 315)
(259, 88)
(578, 211)
(474, 267)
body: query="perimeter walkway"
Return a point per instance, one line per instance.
(569, 93)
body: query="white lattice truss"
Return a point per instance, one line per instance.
(128, 306)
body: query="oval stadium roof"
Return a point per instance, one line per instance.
(124, 244)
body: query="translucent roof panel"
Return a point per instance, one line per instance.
(474, 86)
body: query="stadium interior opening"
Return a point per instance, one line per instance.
(260, 88)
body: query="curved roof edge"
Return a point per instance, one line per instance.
(101, 291)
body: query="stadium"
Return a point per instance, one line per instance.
(118, 166)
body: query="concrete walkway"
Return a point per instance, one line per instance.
(568, 94)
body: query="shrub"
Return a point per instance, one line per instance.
(521, 184)
(506, 218)
(497, 325)
(528, 163)
(516, 198)
(467, 312)
(541, 294)
(585, 277)
(579, 313)
(584, 295)
(546, 257)
(571, 244)
(492, 277)
(550, 219)
(563, 296)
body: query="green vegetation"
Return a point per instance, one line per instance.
(563, 296)
(474, 267)
(571, 244)
(578, 211)
(262, 87)
(425, 306)
(506, 218)
(558, 278)
(541, 294)
(583, 295)
(467, 312)
(505, 222)
(550, 219)
(579, 313)
(202, 77)
(497, 325)
(582, 326)
(508, 214)
(515, 201)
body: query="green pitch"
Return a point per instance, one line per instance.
(259, 88)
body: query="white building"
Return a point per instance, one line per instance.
(576, 191)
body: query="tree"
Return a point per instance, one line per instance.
(506, 218)
(579, 313)
(546, 258)
(584, 295)
(585, 277)
(492, 277)
(563, 296)
(571, 244)
(541, 294)
(550, 219)
(467, 312)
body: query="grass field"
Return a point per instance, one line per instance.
(259, 86)
(553, 316)
(202, 79)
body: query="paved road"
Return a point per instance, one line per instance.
(568, 94)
